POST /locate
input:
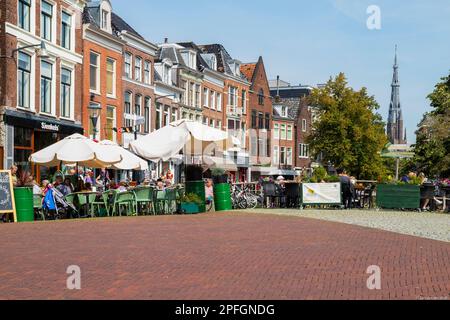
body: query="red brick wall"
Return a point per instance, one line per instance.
(102, 98)
(259, 82)
(137, 89)
(304, 113)
(8, 71)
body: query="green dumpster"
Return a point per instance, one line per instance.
(222, 197)
(24, 204)
(198, 188)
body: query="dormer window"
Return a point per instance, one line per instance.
(235, 67)
(213, 62)
(190, 59)
(284, 112)
(166, 74)
(105, 15)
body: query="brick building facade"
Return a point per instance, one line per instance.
(102, 73)
(41, 68)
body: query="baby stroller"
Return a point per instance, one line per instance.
(56, 207)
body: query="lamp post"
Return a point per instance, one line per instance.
(94, 115)
(41, 50)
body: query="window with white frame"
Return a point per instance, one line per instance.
(303, 150)
(190, 58)
(276, 155)
(147, 108)
(184, 87)
(174, 115)
(66, 30)
(197, 96)
(24, 80)
(158, 119)
(232, 96)
(138, 69)
(166, 120)
(289, 156)
(138, 105)
(219, 101)
(289, 132)
(105, 19)
(211, 123)
(282, 155)
(94, 71)
(219, 124)
(66, 93)
(24, 14)
(46, 20)
(46, 86)
(110, 123)
(127, 65)
(127, 107)
(147, 72)
(166, 74)
(111, 77)
(304, 125)
(276, 131)
(284, 111)
(205, 97)
(213, 100)
(283, 132)
(244, 101)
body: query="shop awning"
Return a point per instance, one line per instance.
(29, 120)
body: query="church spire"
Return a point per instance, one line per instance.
(395, 121)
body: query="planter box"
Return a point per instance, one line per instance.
(391, 196)
(190, 208)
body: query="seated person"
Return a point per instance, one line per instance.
(168, 183)
(87, 187)
(209, 191)
(160, 185)
(122, 187)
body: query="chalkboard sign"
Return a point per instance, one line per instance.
(7, 204)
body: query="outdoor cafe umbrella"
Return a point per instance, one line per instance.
(77, 150)
(167, 142)
(129, 160)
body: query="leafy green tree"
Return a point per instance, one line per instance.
(432, 148)
(349, 132)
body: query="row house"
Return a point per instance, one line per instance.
(102, 98)
(291, 100)
(138, 87)
(41, 51)
(235, 107)
(259, 117)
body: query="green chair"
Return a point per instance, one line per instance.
(171, 201)
(97, 206)
(160, 201)
(144, 199)
(83, 202)
(38, 208)
(127, 201)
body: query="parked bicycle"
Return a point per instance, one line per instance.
(243, 198)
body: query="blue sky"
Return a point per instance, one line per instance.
(306, 41)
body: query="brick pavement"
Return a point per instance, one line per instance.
(220, 256)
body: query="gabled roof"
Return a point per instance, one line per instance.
(119, 25)
(201, 63)
(248, 70)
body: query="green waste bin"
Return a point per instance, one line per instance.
(222, 197)
(23, 198)
(198, 188)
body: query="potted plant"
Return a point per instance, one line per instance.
(222, 190)
(191, 203)
(23, 197)
(194, 183)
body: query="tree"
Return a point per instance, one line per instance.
(349, 133)
(432, 148)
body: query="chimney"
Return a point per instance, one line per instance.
(166, 40)
(277, 98)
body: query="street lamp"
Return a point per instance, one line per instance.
(94, 115)
(41, 50)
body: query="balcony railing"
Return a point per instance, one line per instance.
(235, 111)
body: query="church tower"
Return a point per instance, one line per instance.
(395, 131)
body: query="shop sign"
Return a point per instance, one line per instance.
(49, 127)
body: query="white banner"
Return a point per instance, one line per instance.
(321, 193)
